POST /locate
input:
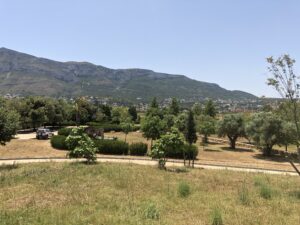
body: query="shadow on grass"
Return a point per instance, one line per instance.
(272, 158)
(8, 167)
(178, 170)
(86, 163)
(295, 194)
(237, 149)
(211, 150)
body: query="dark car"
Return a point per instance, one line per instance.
(43, 133)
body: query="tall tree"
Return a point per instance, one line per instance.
(9, 122)
(210, 109)
(287, 84)
(197, 109)
(133, 113)
(190, 133)
(152, 127)
(154, 103)
(174, 107)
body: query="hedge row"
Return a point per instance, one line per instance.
(108, 127)
(139, 149)
(111, 147)
(64, 131)
(59, 142)
(115, 147)
(187, 150)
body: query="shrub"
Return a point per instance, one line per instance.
(265, 191)
(59, 142)
(64, 131)
(150, 211)
(85, 148)
(74, 137)
(112, 147)
(138, 149)
(244, 195)
(183, 189)
(216, 217)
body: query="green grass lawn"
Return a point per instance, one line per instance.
(61, 193)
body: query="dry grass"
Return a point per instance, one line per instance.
(31, 148)
(130, 194)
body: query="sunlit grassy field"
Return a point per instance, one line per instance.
(75, 193)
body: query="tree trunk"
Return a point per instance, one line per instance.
(125, 138)
(232, 142)
(267, 151)
(205, 139)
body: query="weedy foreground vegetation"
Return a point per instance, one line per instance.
(75, 193)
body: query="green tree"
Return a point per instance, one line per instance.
(154, 103)
(197, 109)
(287, 84)
(168, 142)
(133, 113)
(233, 127)
(266, 130)
(9, 122)
(289, 134)
(127, 126)
(81, 145)
(152, 127)
(83, 111)
(180, 121)
(190, 133)
(206, 127)
(174, 107)
(210, 109)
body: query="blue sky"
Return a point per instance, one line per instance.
(220, 41)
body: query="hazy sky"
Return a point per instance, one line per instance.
(220, 41)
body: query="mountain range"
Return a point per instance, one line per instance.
(24, 74)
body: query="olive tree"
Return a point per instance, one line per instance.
(206, 126)
(233, 127)
(266, 130)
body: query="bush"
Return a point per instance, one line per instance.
(75, 136)
(178, 153)
(59, 142)
(108, 127)
(183, 189)
(217, 217)
(244, 195)
(111, 147)
(138, 149)
(85, 148)
(265, 192)
(150, 211)
(64, 131)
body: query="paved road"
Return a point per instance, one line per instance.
(151, 163)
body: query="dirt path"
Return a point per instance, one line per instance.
(151, 163)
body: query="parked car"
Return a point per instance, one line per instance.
(43, 133)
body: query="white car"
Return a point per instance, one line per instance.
(43, 133)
